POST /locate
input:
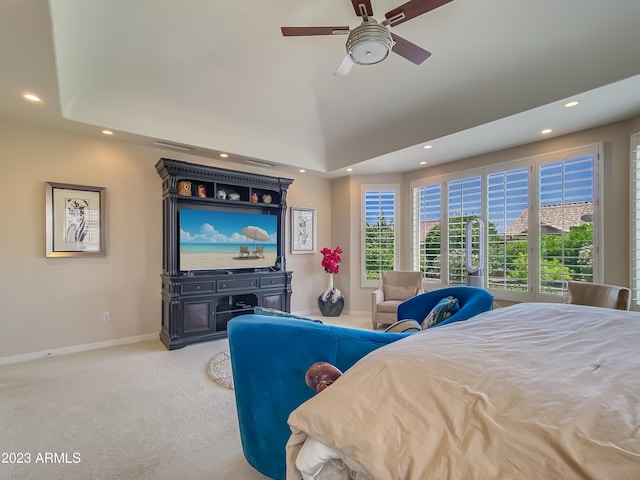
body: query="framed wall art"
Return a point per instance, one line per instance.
(75, 220)
(303, 230)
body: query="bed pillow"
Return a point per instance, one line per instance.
(443, 310)
(404, 326)
(272, 312)
(392, 292)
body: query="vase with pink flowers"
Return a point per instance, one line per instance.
(331, 301)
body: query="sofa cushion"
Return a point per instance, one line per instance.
(393, 292)
(389, 306)
(443, 310)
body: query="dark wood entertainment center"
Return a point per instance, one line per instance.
(197, 304)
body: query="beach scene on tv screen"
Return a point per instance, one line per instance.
(211, 239)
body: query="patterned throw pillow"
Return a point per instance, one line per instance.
(404, 326)
(443, 310)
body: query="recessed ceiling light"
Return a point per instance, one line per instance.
(224, 155)
(546, 130)
(571, 104)
(107, 132)
(423, 163)
(349, 169)
(31, 97)
(428, 146)
(302, 170)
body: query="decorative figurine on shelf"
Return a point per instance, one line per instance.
(202, 191)
(234, 196)
(320, 375)
(254, 197)
(222, 195)
(266, 198)
(184, 188)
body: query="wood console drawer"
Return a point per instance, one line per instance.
(278, 281)
(197, 287)
(237, 284)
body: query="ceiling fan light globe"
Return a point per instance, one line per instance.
(368, 53)
(369, 43)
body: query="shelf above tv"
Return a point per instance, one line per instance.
(230, 203)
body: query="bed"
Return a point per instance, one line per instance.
(531, 391)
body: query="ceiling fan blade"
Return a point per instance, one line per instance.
(408, 50)
(412, 9)
(306, 31)
(363, 7)
(344, 67)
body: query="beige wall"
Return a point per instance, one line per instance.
(615, 138)
(347, 220)
(55, 303)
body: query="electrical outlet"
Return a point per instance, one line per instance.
(106, 316)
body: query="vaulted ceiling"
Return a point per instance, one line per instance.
(220, 77)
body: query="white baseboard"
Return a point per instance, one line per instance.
(25, 357)
(358, 313)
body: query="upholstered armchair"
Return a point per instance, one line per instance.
(599, 295)
(397, 286)
(471, 300)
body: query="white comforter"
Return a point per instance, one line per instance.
(532, 391)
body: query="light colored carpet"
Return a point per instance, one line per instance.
(129, 412)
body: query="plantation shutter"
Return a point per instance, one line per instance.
(379, 222)
(635, 221)
(566, 210)
(426, 230)
(464, 204)
(508, 229)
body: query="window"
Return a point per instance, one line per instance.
(378, 230)
(635, 221)
(464, 203)
(508, 229)
(426, 229)
(566, 210)
(541, 224)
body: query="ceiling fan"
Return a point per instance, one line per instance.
(370, 42)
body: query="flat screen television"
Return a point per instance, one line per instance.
(227, 239)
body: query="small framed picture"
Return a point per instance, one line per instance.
(303, 230)
(75, 218)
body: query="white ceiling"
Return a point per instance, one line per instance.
(219, 77)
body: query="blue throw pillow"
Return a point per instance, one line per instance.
(443, 310)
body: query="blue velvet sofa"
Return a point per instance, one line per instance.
(269, 358)
(472, 301)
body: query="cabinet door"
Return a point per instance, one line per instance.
(273, 300)
(197, 315)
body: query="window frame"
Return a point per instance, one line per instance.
(364, 189)
(634, 219)
(533, 164)
(415, 226)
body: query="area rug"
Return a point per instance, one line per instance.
(220, 369)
